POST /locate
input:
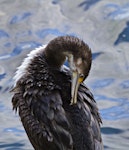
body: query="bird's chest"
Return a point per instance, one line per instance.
(64, 82)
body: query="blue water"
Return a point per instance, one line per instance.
(104, 25)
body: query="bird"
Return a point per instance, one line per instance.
(56, 108)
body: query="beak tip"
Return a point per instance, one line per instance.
(73, 101)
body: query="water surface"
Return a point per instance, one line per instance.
(104, 25)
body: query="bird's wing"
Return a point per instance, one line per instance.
(90, 108)
(44, 119)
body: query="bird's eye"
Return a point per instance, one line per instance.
(81, 75)
(81, 78)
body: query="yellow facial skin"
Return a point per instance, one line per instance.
(80, 80)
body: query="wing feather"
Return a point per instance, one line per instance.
(44, 119)
(89, 106)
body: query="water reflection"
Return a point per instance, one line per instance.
(109, 130)
(118, 12)
(123, 36)
(104, 25)
(11, 146)
(20, 17)
(101, 83)
(87, 4)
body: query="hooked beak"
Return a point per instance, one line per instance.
(76, 80)
(74, 87)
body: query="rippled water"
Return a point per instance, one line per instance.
(104, 25)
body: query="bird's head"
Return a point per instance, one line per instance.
(79, 58)
(79, 64)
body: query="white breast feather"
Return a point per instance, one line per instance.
(22, 69)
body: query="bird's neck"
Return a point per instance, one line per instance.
(55, 60)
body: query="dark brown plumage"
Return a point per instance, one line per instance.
(42, 95)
